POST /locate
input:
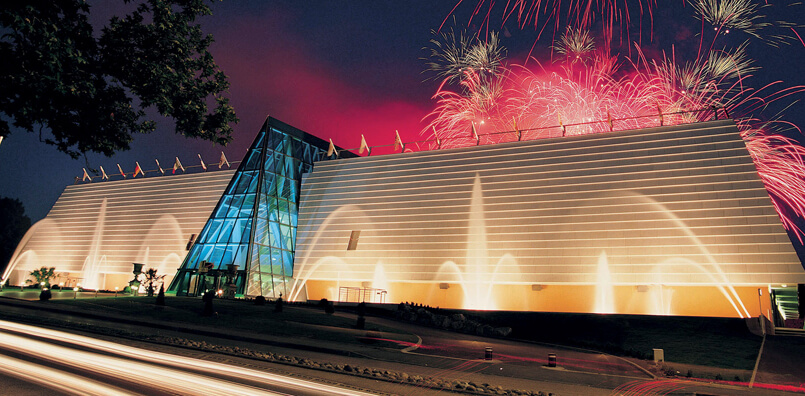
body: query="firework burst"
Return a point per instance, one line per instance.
(601, 93)
(745, 16)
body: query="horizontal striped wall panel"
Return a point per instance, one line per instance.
(101, 228)
(680, 205)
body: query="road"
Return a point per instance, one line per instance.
(74, 364)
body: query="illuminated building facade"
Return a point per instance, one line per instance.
(668, 220)
(95, 231)
(248, 242)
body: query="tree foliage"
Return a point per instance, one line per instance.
(87, 93)
(13, 225)
(151, 280)
(43, 274)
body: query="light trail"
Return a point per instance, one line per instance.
(141, 366)
(54, 379)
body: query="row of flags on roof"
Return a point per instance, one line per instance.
(398, 144)
(138, 170)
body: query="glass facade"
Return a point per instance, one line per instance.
(253, 227)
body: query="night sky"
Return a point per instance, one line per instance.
(338, 69)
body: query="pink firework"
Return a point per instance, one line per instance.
(590, 91)
(551, 15)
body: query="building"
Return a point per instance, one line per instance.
(668, 220)
(95, 231)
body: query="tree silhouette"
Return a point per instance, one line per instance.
(84, 91)
(14, 225)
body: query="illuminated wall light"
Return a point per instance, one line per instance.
(537, 288)
(444, 286)
(642, 288)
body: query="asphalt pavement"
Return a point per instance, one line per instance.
(443, 354)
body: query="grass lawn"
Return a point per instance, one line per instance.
(293, 321)
(715, 342)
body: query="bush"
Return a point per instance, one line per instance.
(45, 295)
(161, 296)
(329, 309)
(260, 300)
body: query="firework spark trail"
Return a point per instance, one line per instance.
(579, 14)
(745, 15)
(590, 86)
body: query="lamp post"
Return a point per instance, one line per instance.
(116, 288)
(61, 286)
(75, 292)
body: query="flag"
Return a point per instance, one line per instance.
(86, 175)
(397, 141)
(121, 171)
(659, 111)
(331, 149)
(475, 135)
(103, 174)
(177, 165)
(560, 120)
(514, 123)
(609, 120)
(162, 171)
(364, 146)
(203, 165)
(223, 161)
(138, 169)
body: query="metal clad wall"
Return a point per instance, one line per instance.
(101, 228)
(679, 205)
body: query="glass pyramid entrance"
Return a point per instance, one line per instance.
(247, 246)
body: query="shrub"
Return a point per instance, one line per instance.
(45, 295)
(161, 296)
(329, 309)
(260, 300)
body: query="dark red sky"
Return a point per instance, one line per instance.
(336, 69)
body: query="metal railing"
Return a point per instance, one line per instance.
(562, 130)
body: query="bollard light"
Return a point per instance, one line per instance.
(61, 286)
(116, 288)
(75, 292)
